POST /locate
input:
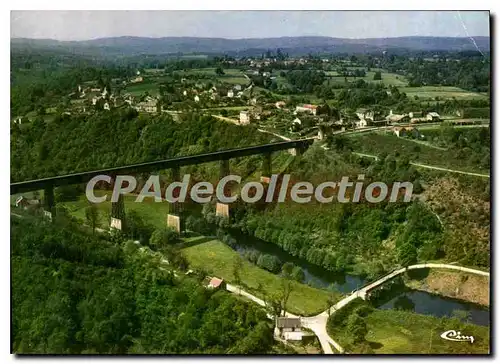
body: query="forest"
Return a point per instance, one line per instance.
(77, 293)
(86, 142)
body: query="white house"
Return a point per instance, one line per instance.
(433, 116)
(307, 108)
(367, 116)
(230, 93)
(244, 117)
(290, 328)
(237, 87)
(197, 98)
(280, 104)
(106, 106)
(297, 121)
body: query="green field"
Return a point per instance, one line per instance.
(379, 143)
(139, 89)
(405, 332)
(154, 213)
(387, 78)
(443, 92)
(217, 259)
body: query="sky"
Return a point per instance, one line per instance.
(82, 25)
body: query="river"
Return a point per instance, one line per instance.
(417, 301)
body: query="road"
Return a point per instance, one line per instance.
(224, 118)
(420, 165)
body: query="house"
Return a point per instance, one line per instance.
(406, 131)
(216, 283)
(149, 105)
(94, 100)
(415, 114)
(368, 116)
(397, 118)
(185, 93)
(289, 328)
(106, 106)
(280, 104)
(137, 79)
(237, 88)
(24, 203)
(297, 121)
(362, 123)
(230, 93)
(244, 117)
(197, 98)
(307, 108)
(19, 120)
(433, 116)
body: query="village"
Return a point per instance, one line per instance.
(236, 95)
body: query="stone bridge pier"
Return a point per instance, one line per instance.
(267, 170)
(175, 209)
(49, 201)
(117, 210)
(222, 209)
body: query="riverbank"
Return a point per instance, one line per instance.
(406, 332)
(458, 285)
(217, 259)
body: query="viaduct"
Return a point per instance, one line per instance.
(174, 218)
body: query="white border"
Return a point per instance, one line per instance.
(199, 5)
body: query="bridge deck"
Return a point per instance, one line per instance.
(18, 187)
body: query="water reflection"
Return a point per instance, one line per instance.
(416, 301)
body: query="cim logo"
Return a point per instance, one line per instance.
(453, 335)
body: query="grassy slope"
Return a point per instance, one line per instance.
(443, 92)
(154, 213)
(403, 332)
(377, 143)
(217, 259)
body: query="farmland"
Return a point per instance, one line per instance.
(441, 92)
(387, 78)
(218, 259)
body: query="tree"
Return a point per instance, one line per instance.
(377, 76)
(219, 71)
(237, 265)
(407, 254)
(92, 216)
(331, 299)
(356, 326)
(163, 237)
(287, 269)
(269, 262)
(298, 274)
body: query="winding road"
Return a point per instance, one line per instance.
(420, 165)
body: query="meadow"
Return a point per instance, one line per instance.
(442, 92)
(216, 258)
(406, 332)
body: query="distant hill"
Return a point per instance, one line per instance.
(127, 46)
